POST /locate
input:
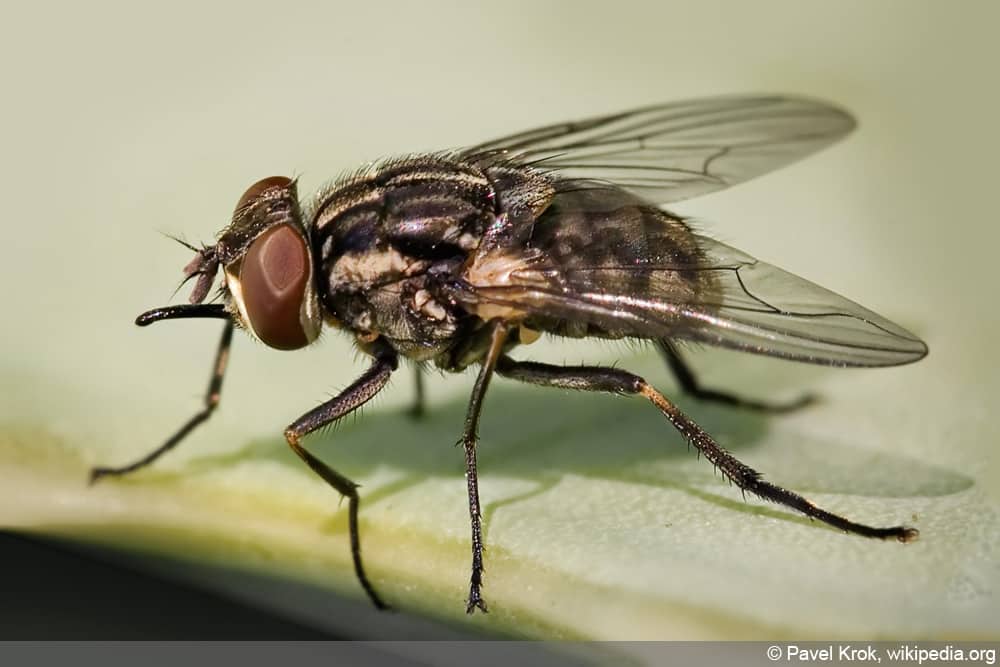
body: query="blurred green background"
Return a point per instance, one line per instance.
(122, 120)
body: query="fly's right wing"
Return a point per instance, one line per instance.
(601, 262)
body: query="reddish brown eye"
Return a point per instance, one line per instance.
(262, 186)
(273, 281)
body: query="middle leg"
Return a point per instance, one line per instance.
(417, 407)
(470, 436)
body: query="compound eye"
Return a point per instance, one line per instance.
(273, 279)
(260, 187)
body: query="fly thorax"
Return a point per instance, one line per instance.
(422, 208)
(380, 233)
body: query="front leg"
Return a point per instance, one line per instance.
(212, 395)
(470, 435)
(356, 395)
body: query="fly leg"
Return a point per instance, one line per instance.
(212, 397)
(689, 384)
(417, 408)
(615, 381)
(470, 435)
(356, 395)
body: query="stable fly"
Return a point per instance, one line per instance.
(456, 258)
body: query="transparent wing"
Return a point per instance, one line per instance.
(601, 262)
(744, 304)
(680, 150)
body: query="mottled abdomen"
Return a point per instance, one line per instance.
(596, 245)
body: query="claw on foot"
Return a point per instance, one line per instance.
(476, 602)
(96, 474)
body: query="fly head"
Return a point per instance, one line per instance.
(268, 266)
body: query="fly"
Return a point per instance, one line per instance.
(456, 258)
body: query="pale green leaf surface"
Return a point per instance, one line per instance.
(599, 523)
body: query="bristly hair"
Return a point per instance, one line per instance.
(181, 241)
(364, 172)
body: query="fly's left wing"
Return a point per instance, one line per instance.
(669, 152)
